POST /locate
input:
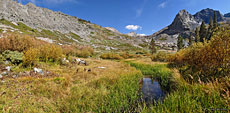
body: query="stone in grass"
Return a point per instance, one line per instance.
(4, 73)
(1, 76)
(15, 76)
(8, 68)
(37, 70)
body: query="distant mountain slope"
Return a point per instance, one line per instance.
(227, 15)
(63, 28)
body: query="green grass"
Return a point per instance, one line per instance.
(185, 97)
(105, 95)
(157, 71)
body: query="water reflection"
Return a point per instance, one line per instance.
(151, 90)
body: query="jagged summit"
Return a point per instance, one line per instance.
(182, 22)
(205, 14)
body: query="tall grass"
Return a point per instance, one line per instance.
(159, 71)
(105, 95)
(184, 97)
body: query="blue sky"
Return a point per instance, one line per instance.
(141, 16)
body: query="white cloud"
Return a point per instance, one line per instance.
(162, 5)
(133, 27)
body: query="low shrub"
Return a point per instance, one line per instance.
(31, 57)
(126, 55)
(112, 56)
(79, 51)
(16, 42)
(161, 56)
(50, 52)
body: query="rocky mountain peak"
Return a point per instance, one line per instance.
(182, 22)
(205, 14)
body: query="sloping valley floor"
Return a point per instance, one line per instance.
(104, 86)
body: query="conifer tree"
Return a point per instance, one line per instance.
(215, 23)
(180, 44)
(153, 46)
(197, 37)
(210, 29)
(203, 31)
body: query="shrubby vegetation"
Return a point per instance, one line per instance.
(14, 45)
(119, 56)
(112, 56)
(206, 60)
(161, 56)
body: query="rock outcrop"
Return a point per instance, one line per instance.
(85, 32)
(36, 17)
(205, 14)
(184, 24)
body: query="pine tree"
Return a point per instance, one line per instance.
(190, 40)
(153, 46)
(197, 37)
(180, 44)
(215, 23)
(210, 29)
(203, 31)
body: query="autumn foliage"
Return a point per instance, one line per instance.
(206, 60)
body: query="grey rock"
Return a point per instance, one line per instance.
(37, 70)
(183, 24)
(113, 30)
(4, 73)
(8, 68)
(15, 76)
(205, 14)
(7, 62)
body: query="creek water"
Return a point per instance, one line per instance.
(151, 90)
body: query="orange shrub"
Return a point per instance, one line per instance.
(207, 60)
(79, 51)
(50, 52)
(18, 42)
